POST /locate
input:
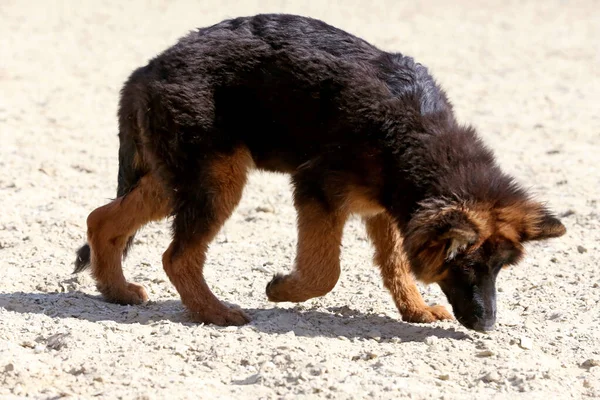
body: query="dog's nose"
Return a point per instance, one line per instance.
(484, 326)
(479, 324)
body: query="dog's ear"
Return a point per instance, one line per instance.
(543, 226)
(438, 235)
(454, 231)
(458, 239)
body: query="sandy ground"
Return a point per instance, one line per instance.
(527, 75)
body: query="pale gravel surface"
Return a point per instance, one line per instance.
(526, 75)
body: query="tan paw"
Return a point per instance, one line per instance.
(129, 294)
(221, 316)
(290, 288)
(427, 314)
(277, 289)
(285, 288)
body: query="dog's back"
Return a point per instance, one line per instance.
(287, 87)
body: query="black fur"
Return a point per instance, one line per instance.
(309, 99)
(82, 261)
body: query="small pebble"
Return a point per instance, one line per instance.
(431, 340)
(9, 367)
(268, 366)
(567, 213)
(57, 341)
(581, 249)
(376, 335)
(525, 343)
(265, 209)
(254, 378)
(444, 377)
(555, 315)
(491, 377)
(590, 363)
(587, 383)
(180, 350)
(318, 370)
(260, 268)
(485, 353)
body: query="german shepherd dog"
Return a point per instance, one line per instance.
(360, 131)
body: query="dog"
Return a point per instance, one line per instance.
(359, 130)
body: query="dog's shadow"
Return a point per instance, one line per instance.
(326, 322)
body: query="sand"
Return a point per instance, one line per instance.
(526, 74)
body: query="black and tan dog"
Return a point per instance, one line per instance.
(358, 129)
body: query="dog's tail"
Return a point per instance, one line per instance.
(131, 164)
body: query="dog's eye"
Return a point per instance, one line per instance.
(465, 270)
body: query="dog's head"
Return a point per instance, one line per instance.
(463, 247)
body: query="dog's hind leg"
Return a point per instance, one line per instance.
(396, 274)
(109, 229)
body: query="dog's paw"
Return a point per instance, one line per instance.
(129, 294)
(427, 314)
(276, 290)
(286, 288)
(221, 316)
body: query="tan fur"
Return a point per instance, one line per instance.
(361, 202)
(184, 262)
(396, 272)
(109, 228)
(515, 223)
(317, 265)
